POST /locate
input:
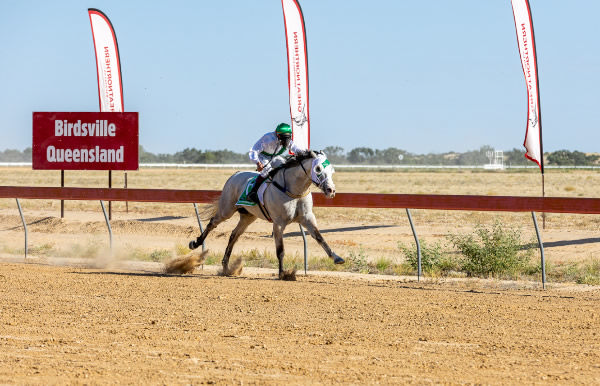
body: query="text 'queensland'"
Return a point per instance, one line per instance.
(95, 141)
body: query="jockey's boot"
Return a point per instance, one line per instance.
(253, 195)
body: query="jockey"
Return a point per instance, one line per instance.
(273, 144)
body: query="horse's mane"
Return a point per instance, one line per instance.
(295, 160)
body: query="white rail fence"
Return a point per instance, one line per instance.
(337, 166)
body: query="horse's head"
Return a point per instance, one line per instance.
(322, 173)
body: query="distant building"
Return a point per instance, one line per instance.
(496, 158)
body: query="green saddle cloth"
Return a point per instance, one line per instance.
(244, 200)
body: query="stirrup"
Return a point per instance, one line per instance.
(253, 196)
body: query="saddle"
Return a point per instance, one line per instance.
(243, 200)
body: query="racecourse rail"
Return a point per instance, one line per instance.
(251, 166)
(341, 200)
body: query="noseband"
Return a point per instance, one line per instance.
(310, 177)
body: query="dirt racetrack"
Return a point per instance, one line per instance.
(70, 316)
(63, 322)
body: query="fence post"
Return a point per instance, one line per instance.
(62, 202)
(541, 244)
(200, 225)
(418, 245)
(126, 202)
(110, 202)
(24, 224)
(305, 250)
(108, 225)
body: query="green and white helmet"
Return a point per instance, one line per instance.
(283, 129)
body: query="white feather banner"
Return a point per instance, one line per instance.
(297, 72)
(110, 88)
(526, 40)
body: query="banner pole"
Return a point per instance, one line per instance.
(543, 196)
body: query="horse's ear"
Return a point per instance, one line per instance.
(313, 154)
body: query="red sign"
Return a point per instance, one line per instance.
(85, 141)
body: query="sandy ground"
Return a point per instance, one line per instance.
(64, 321)
(66, 318)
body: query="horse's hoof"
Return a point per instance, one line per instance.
(289, 275)
(338, 260)
(193, 245)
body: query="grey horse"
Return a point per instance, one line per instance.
(286, 200)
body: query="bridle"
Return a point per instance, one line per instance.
(284, 187)
(317, 184)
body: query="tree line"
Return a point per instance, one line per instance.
(356, 156)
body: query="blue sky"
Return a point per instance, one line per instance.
(423, 76)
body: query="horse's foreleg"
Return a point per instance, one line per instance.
(278, 237)
(245, 220)
(310, 224)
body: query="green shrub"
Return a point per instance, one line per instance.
(583, 272)
(41, 250)
(446, 265)
(403, 269)
(590, 272)
(358, 261)
(181, 249)
(492, 251)
(137, 253)
(432, 257)
(384, 265)
(160, 255)
(256, 258)
(89, 250)
(212, 259)
(321, 264)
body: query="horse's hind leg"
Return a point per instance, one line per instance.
(245, 220)
(212, 224)
(310, 223)
(224, 212)
(200, 239)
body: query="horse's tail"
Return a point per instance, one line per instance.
(210, 210)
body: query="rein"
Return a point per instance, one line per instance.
(290, 194)
(284, 189)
